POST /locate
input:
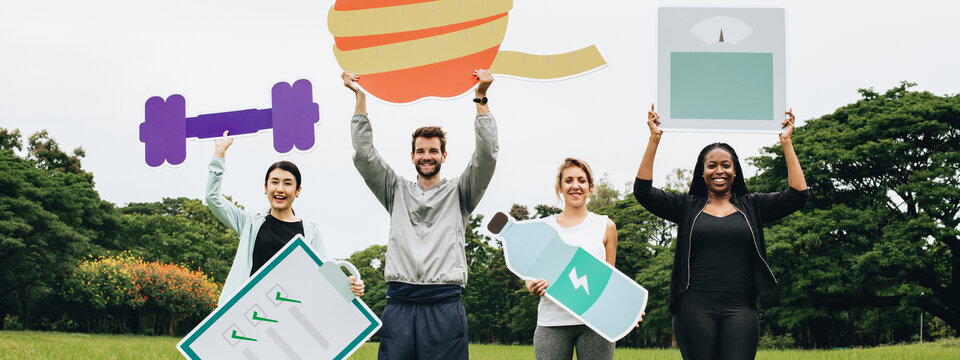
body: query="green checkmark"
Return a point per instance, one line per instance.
(241, 337)
(285, 299)
(255, 317)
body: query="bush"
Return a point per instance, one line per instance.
(778, 342)
(106, 289)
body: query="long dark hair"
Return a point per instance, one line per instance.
(697, 185)
(284, 165)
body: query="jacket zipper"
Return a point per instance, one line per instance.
(755, 246)
(690, 243)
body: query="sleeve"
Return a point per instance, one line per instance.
(225, 210)
(475, 178)
(380, 178)
(664, 204)
(317, 243)
(776, 205)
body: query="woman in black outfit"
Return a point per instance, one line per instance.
(720, 262)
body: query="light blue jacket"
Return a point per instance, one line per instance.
(246, 223)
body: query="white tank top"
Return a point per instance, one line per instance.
(588, 234)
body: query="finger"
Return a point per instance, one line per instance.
(225, 132)
(651, 107)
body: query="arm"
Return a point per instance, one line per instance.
(475, 178)
(481, 91)
(774, 206)
(794, 172)
(664, 204)
(610, 243)
(380, 177)
(350, 81)
(225, 210)
(646, 164)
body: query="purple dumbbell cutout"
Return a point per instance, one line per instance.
(166, 128)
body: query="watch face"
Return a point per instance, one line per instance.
(482, 101)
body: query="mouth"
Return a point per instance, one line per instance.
(575, 195)
(279, 198)
(719, 181)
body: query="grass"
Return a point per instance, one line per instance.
(53, 345)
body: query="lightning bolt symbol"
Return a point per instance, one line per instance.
(579, 281)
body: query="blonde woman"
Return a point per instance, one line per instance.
(558, 332)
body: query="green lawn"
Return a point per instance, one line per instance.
(53, 345)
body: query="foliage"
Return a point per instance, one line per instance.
(879, 238)
(181, 231)
(604, 194)
(49, 215)
(114, 284)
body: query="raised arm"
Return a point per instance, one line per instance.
(380, 177)
(350, 81)
(645, 171)
(666, 205)
(475, 178)
(481, 91)
(794, 172)
(225, 210)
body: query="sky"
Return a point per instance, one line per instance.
(83, 70)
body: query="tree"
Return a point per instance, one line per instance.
(604, 194)
(881, 228)
(178, 231)
(645, 253)
(49, 213)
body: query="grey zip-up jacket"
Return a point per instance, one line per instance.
(426, 245)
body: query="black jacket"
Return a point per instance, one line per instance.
(683, 209)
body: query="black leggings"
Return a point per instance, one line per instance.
(714, 325)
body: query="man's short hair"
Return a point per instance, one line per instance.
(429, 132)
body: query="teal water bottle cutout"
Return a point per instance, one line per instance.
(605, 299)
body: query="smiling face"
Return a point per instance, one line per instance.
(281, 189)
(718, 171)
(427, 156)
(575, 186)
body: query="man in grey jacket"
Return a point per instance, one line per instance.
(426, 265)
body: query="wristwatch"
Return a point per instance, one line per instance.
(481, 101)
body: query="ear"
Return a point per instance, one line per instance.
(411, 158)
(443, 157)
(264, 188)
(298, 191)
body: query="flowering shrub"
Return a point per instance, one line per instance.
(121, 283)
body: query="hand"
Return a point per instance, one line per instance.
(222, 144)
(653, 122)
(642, 314)
(788, 125)
(538, 287)
(357, 287)
(350, 81)
(485, 80)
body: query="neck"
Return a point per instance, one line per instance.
(574, 212)
(283, 215)
(714, 197)
(428, 182)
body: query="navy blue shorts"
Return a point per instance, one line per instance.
(423, 331)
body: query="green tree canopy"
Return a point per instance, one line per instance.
(881, 226)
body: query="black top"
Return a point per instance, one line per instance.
(722, 254)
(682, 209)
(422, 294)
(271, 237)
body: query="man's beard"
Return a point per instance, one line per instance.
(436, 170)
